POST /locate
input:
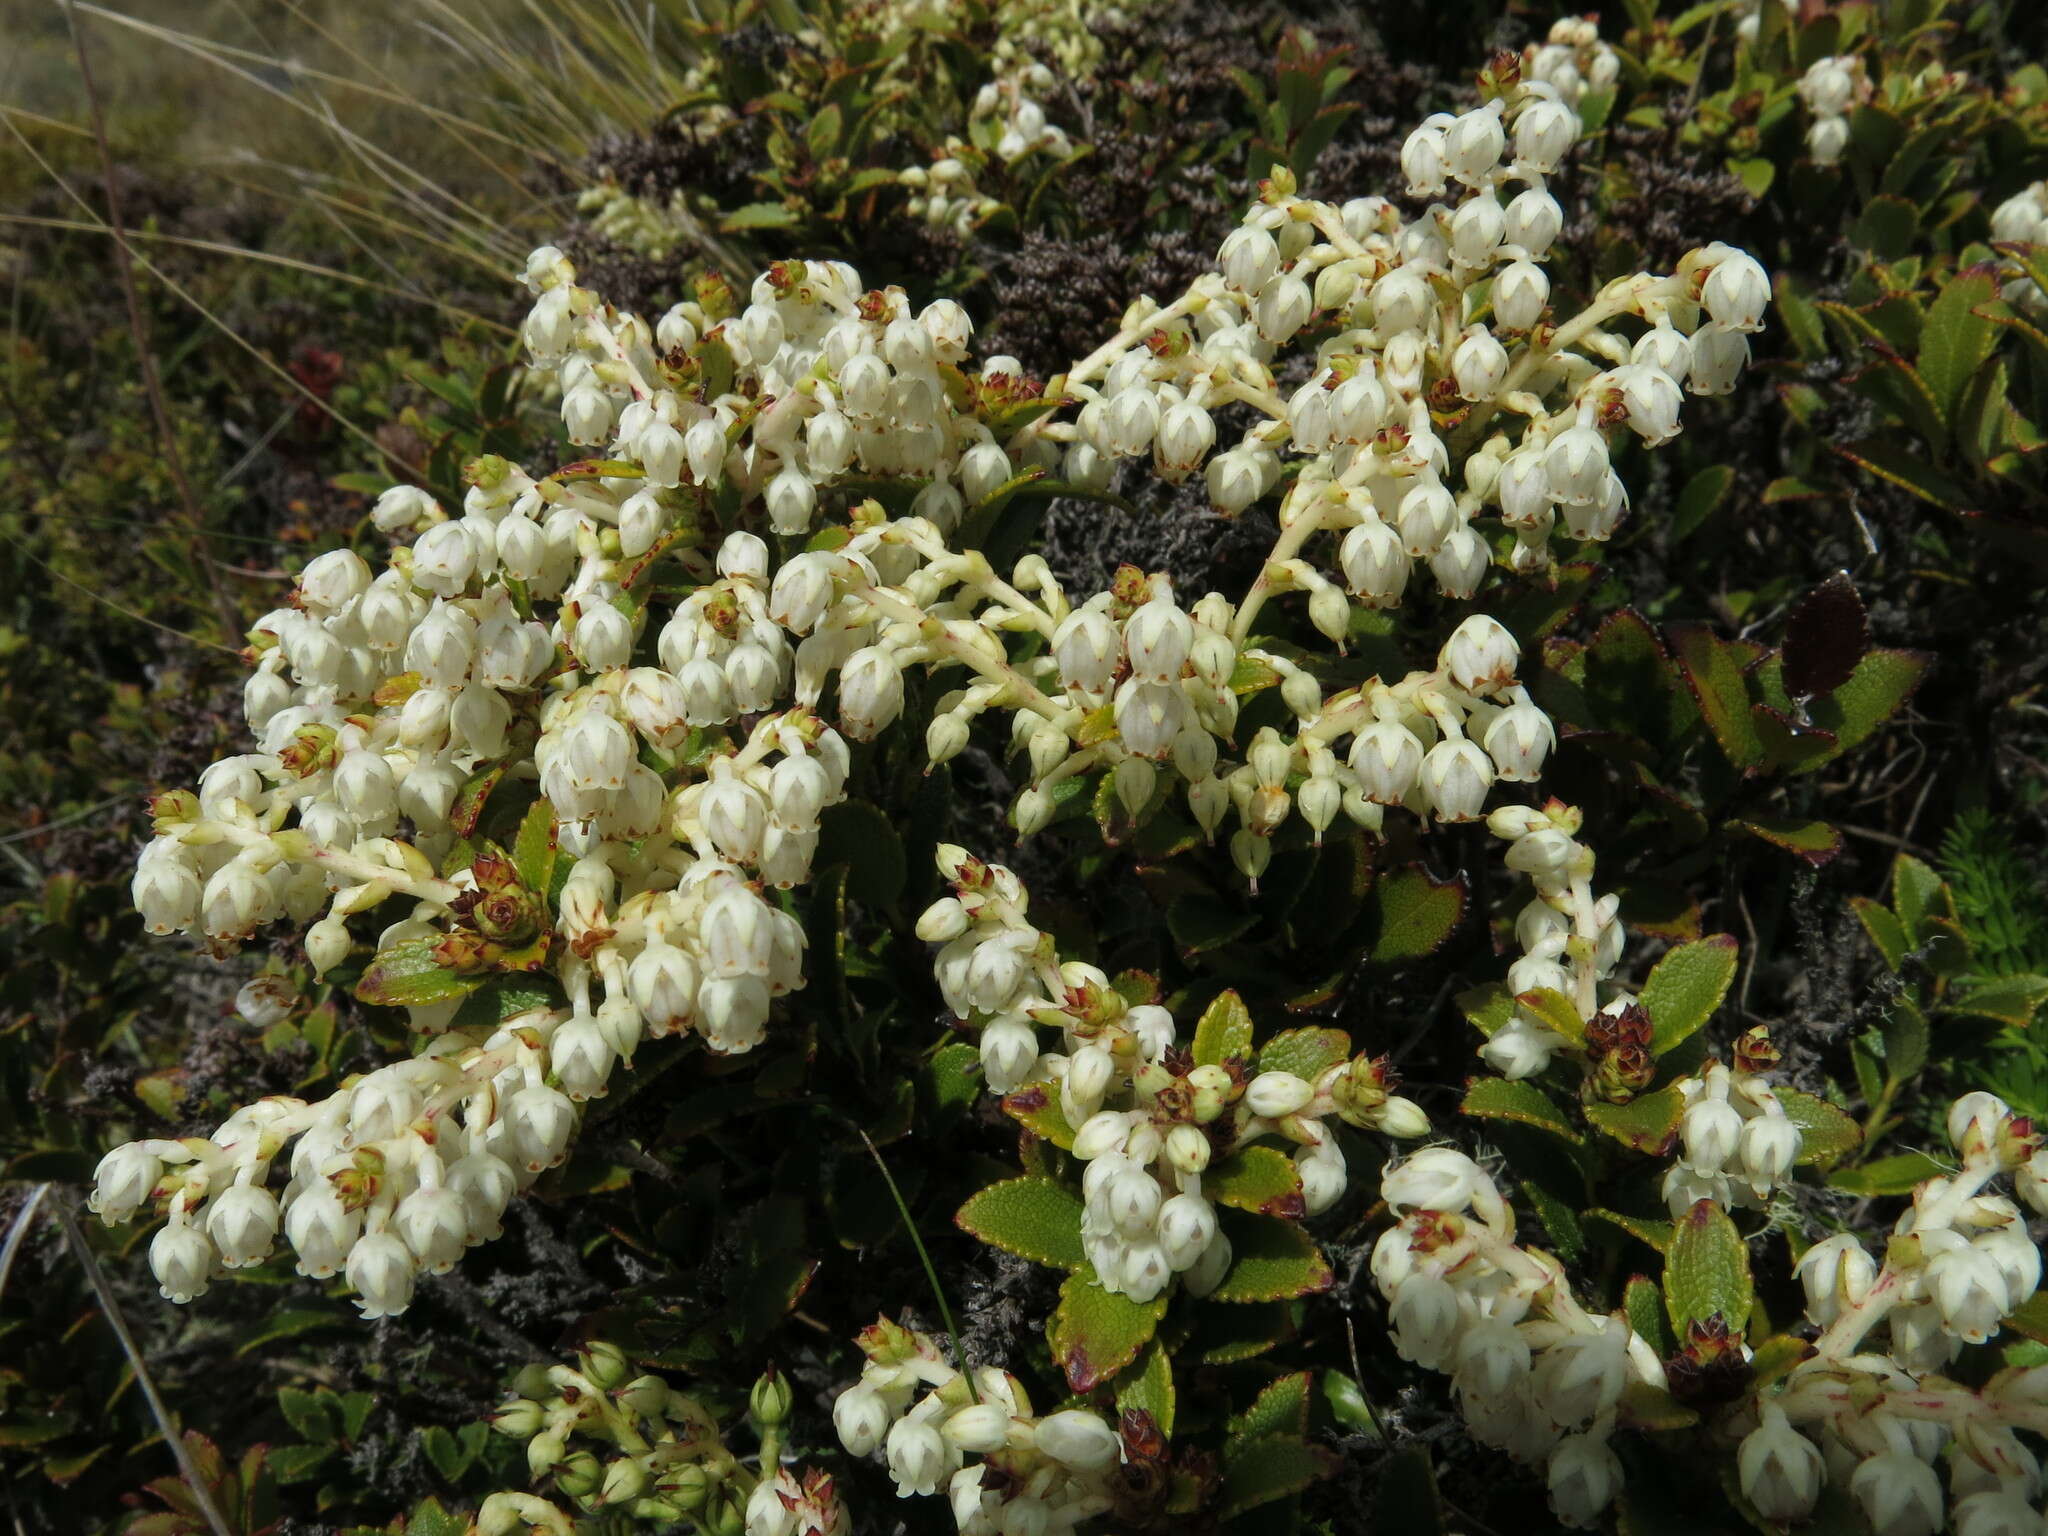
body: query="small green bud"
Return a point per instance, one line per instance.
(543, 1451)
(771, 1400)
(689, 1485)
(580, 1475)
(646, 1395)
(624, 1481)
(606, 1365)
(519, 1419)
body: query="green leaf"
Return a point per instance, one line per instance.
(1645, 1124)
(1307, 1053)
(1096, 1333)
(430, 1519)
(1706, 1271)
(1348, 1405)
(1259, 1471)
(1035, 1218)
(2031, 1318)
(1686, 987)
(1271, 1261)
(1554, 1011)
(316, 1415)
(1887, 1175)
(1412, 913)
(1776, 1356)
(1037, 1108)
(288, 1324)
(1280, 1408)
(1711, 669)
(758, 216)
(1223, 1031)
(1499, 1098)
(1703, 493)
(1884, 928)
(1880, 685)
(1644, 1304)
(1825, 1132)
(534, 849)
(1260, 1179)
(1956, 340)
(410, 975)
(1645, 1230)
(1150, 1387)
(2009, 1000)
(1816, 842)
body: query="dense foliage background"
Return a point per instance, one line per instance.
(327, 210)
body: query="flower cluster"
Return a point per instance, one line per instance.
(1831, 88)
(1880, 1419)
(1572, 59)
(1033, 1472)
(1736, 1142)
(1146, 1118)
(610, 1440)
(1535, 1374)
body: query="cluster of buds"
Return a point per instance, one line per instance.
(1736, 1143)
(1571, 940)
(1831, 89)
(1419, 335)
(398, 1172)
(1535, 1374)
(1032, 1473)
(1147, 1120)
(1881, 1420)
(1572, 59)
(609, 1440)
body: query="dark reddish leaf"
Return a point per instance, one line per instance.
(1825, 638)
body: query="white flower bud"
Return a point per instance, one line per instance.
(1079, 1439)
(182, 1261)
(1900, 1495)
(1157, 639)
(1533, 221)
(382, 1273)
(1149, 716)
(1427, 515)
(1186, 434)
(1375, 564)
(321, 1231)
(434, 1224)
(1543, 132)
(1719, 353)
(1837, 1272)
(1424, 1315)
(1422, 162)
(870, 692)
(1434, 1179)
(918, 1457)
(1780, 1469)
(1009, 1054)
(861, 1418)
(1283, 308)
(1736, 292)
(1584, 1477)
(1455, 777)
(1479, 365)
(1473, 144)
(704, 446)
(733, 1013)
(1277, 1095)
(1521, 291)
(123, 1181)
(604, 638)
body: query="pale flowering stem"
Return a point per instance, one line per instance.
(1537, 354)
(1026, 692)
(1332, 229)
(976, 572)
(300, 849)
(1285, 548)
(174, 1438)
(606, 339)
(1121, 342)
(1888, 1290)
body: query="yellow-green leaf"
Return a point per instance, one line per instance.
(1035, 1218)
(1706, 1270)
